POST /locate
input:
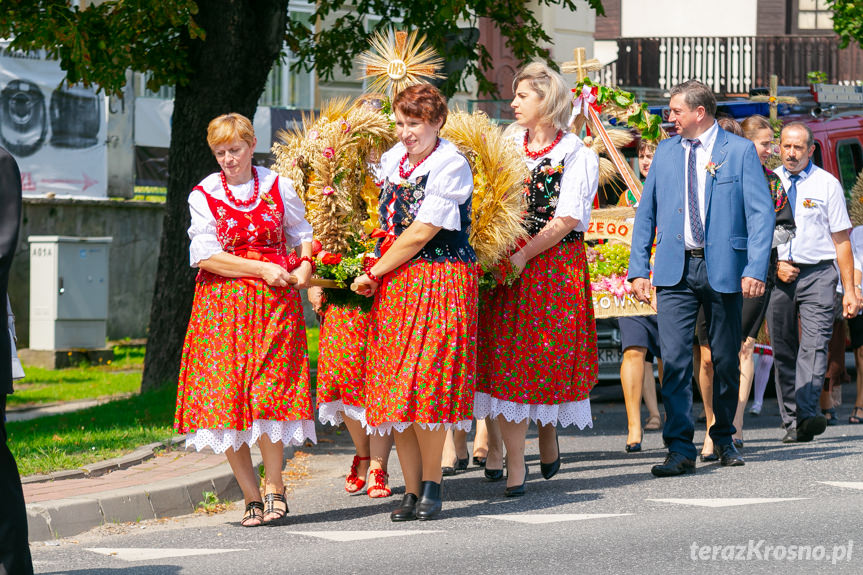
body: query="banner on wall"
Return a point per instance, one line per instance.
(56, 132)
(608, 263)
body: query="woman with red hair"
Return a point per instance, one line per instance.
(421, 356)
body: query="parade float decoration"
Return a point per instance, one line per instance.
(499, 204)
(328, 160)
(398, 60)
(773, 100)
(610, 229)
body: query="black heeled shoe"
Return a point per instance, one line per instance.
(633, 447)
(461, 464)
(479, 461)
(492, 475)
(549, 470)
(517, 490)
(407, 510)
(447, 471)
(430, 503)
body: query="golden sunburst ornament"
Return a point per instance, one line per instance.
(398, 60)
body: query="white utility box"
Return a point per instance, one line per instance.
(68, 292)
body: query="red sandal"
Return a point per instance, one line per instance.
(353, 482)
(379, 484)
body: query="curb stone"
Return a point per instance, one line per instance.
(140, 455)
(49, 520)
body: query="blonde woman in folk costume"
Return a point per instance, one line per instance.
(537, 339)
(244, 376)
(421, 359)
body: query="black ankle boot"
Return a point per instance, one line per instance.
(430, 503)
(407, 510)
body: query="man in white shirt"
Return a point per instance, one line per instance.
(806, 282)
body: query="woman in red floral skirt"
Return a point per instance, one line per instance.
(421, 358)
(537, 338)
(244, 376)
(341, 393)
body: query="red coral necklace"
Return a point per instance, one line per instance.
(405, 174)
(235, 201)
(544, 151)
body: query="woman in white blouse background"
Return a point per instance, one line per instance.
(537, 338)
(244, 376)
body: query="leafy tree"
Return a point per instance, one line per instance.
(338, 42)
(218, 54)
(848, 21)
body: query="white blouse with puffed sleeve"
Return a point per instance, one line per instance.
(580, 178)
(449, 184)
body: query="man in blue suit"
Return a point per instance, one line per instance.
(707, 203)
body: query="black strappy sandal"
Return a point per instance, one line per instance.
(254, 510)
(270, 500)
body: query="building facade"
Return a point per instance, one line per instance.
(733, 46)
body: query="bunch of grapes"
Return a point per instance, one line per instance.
(608, 259)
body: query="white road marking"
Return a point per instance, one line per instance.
(848, 484)
(730, 502)
(344, 536)
(148, 554)
(536, 519)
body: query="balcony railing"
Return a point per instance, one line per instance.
(734, 65)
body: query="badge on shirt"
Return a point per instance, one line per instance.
(809, 203)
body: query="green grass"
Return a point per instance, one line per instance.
(312, 339)
(120, 376)
(71, 440)
(102, 432)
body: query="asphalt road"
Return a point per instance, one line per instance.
(791, 509)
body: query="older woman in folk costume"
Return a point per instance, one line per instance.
(537, 338)
(244, 376)
(422, 349)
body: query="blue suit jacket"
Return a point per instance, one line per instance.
(739, 221)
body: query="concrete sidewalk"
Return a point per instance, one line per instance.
(141, 485)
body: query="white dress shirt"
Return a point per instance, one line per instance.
(702, 157)
(819, 211)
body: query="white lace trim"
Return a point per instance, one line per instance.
(399, 426)
(219, 440)
(565, 414)
(334, 412)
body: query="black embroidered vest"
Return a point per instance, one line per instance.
(446, 245)
(542, 189)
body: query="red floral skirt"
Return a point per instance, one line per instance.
(421, 360)
(244, 358)
(342, 364)
(537, 338)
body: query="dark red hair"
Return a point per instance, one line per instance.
(422, 101)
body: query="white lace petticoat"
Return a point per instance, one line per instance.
(577, 412)
(399, 426)
(334, 413)
(219, 440)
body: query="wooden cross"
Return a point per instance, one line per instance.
(774, 99)
(580, 66)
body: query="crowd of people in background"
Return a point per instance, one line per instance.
(720, 244)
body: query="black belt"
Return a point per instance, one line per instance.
(696, 253)
(821, 263)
